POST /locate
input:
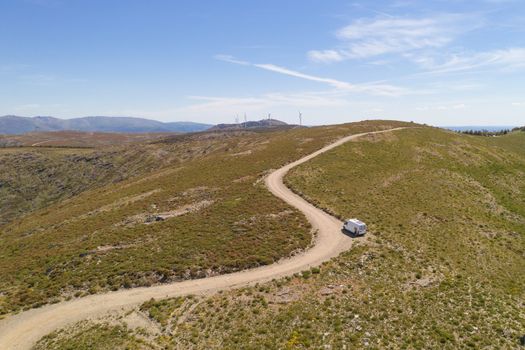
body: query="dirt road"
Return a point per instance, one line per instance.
(23, 330)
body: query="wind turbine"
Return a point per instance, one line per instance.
(300, 118)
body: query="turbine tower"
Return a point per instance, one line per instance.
(300, 118)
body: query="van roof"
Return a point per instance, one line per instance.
(355, 221)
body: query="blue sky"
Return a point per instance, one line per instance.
(454, 62)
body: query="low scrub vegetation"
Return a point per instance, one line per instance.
(33, 178)
(76, 139)
(95, 336)
(125, 234)
(442, 266)
(36, 177)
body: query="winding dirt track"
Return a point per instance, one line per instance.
(23, 330)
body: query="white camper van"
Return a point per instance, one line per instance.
(355, 226)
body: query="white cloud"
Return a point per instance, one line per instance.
(457, 106)
(518, 104)
(388, 28)
(507, 59)
(333, 82)
(378, 36)
(264, 102)
(375, 110)
(368, 88)
(325, 56)
(230, 59)
(222, 109)
(424, 41)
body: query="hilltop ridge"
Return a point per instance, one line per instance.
(263, 123)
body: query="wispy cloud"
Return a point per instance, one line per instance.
(264, 102)
(378, 36)
(281, 70)
(457, 106)
(220, 109)
(326, 56)
(375, 37)
(373, 88)
(231, 59)
(423, 41)
(506, 59)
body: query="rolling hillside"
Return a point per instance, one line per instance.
(33, 178)
(80, 139)
(442, 266)
(188, 206)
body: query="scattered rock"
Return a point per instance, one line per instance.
(153, 218)
(150, 218)
(326, 291)
(423, 282)
(284, 296)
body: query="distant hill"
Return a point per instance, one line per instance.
(20, 125)
(264, 123)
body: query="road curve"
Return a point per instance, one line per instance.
(23, 330)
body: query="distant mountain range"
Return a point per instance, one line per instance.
(264, 123)
(11, 124)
